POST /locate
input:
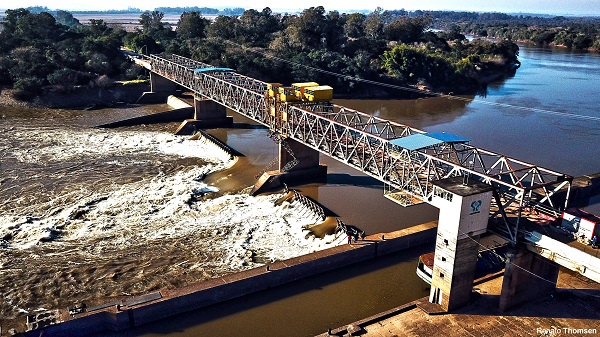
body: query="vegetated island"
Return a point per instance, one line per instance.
(579, 33)
(43, 55)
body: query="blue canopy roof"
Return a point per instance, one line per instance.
(447, 137)
(423, 140)
(415, 142)
(203, 70)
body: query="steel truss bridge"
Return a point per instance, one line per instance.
(364, 142)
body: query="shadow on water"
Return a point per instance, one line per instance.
(306, 307)
(354, 180)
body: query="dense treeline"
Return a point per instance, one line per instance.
(571, 32)
(38, 50)
(401, 50)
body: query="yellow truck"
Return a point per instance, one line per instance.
(318, 93)
(305, 91)
(299, 88)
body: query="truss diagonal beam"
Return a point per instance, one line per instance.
(363, 141)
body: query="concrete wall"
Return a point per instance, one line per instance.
(161, 117)
(231, 286)
(527, 276)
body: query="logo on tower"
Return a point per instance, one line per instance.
(475, 207)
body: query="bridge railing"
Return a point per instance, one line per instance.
(412, 173)
(237, 92)
(363, 141)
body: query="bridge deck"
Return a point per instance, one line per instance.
(364, 142)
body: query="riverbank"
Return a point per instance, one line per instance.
(80, 98)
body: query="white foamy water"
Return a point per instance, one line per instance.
(92, 214)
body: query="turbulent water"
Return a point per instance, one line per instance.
(88, 214)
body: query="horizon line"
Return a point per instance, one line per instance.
(298, 10)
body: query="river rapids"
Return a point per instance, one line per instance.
(89, 214)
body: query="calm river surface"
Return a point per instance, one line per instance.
(88, 213)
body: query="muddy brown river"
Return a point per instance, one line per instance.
(92, 214)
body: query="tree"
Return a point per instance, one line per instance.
(374, 24)
(11, 19)
(191, 25)
(37, 50)
(151, 21)
(257, 28)
(142, 43)
(223, 27)
(334, 33)
(153, 26)
(97, 28)
(355, 25)
(66, 18)
(406, 30)
(308, 30)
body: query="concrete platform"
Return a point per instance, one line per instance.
(130, 312)
(573, 310)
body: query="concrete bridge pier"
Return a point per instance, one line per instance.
(464, 207)
(210, 113)
(298, 163)
(160, 89)
(207, 114)
(527, 276)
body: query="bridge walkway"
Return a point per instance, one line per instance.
(370, 144)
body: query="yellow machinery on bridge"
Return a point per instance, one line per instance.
(318, 94)
(296, 93)
(300, 92)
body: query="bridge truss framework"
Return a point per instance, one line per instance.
(363, 142)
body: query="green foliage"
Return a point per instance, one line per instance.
(406, 30)
(222, 27)
(191, 25)
(153, 26)
(464, 67)
(142, 43)
(27, 87)
(66, 18)
(355, 25)
(67, 78)
(383, 43)
(577, 33)
(413, 65)
(37, 50)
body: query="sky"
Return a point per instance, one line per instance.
(564, 7)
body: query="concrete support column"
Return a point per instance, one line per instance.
(307, 157)
(210, 113)
(160, 89)
(307, 167)
(161, 84)
(464, 207)
(207, 114)
(454, 272)
(527, 276)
